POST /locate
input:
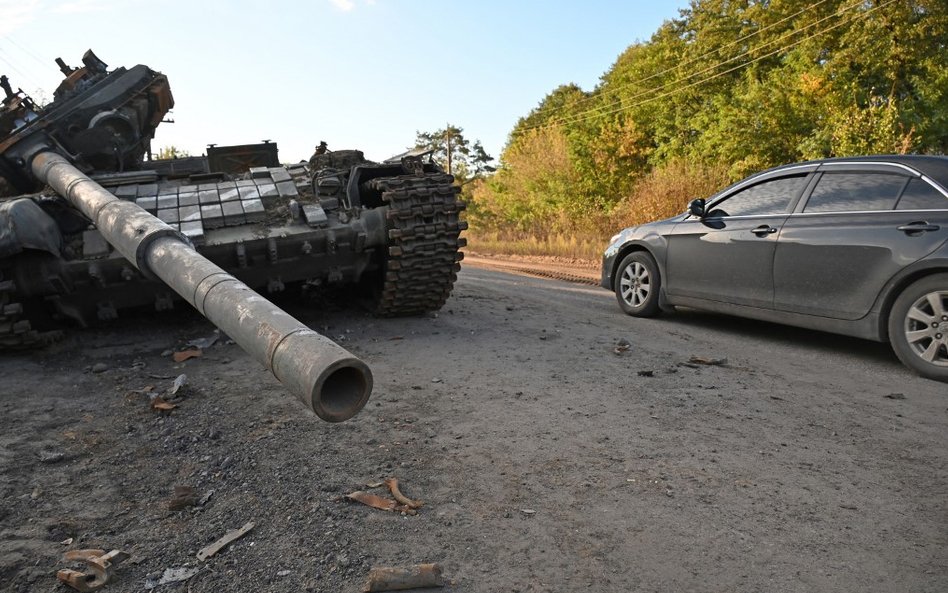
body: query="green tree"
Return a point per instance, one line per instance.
(458, 156)
(172, 152)
(732, 85)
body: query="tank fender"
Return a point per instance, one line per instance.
(24, 225)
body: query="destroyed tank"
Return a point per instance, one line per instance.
(390, 228)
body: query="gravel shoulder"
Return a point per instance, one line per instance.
(546, 461)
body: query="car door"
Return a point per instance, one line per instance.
(727, 255)
(859, 226)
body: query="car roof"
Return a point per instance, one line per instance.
(935, 167)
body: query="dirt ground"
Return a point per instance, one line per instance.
(546, 461)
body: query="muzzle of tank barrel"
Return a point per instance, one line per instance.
(327, 378)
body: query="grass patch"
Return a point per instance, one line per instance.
(567, 246)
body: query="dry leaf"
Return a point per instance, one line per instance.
(380, 503)
(186, 354)
(161, 405)
(392, 484)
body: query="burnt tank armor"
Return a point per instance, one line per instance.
(392, 227)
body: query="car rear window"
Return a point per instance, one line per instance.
(769, 197)
(920, 195)
(855, 192)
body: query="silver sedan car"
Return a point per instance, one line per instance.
(855, 246)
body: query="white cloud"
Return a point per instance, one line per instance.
(343, 5)
(16, 13)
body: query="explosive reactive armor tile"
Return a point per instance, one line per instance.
(150, 203)
(233, 213)
(254, 210)
(212, 216)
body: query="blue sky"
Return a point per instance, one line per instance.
(356, 73)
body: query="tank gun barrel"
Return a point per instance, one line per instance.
(327, 378)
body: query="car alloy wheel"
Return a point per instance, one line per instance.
(918, 326)
(926, 328)
(637, 285)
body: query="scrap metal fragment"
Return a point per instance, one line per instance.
(179, 382)
(707, 361)
(174, 575)
(386, 578)
(209, 551)
(392, 484)
(100, 568)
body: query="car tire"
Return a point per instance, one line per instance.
(918, 327)
(637, 285)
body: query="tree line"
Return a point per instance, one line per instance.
(728, 88)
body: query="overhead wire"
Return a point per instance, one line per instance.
(707, 53)
(601, 109)
(18, 71)
(618, 106)
(26, 50)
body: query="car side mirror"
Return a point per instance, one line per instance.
(696, 207)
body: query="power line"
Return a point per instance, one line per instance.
(601, 109)
(26, 50)
(709, 52)
(620, 104)
(739, 66)
(20, 72)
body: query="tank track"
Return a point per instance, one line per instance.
(423, 253)
(16, 331)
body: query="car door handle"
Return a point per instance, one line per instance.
(763, 230)
(917, 227)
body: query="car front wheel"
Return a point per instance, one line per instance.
(918, 327)
(637, 284)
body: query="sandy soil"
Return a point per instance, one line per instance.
(546, 461)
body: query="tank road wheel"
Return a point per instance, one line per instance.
(918, 327)
(422, 260)
(637, 284)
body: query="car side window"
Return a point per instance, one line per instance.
(920, 195)
(855, 192)
(769, 197)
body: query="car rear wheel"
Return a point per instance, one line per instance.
(637, 285)
(918, 327)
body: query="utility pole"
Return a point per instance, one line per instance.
(447, 138)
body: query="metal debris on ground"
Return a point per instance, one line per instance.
(385, 578)
(622, 345)
(392, 484)
(184, 355)
(51, 456)
(206, 498)
(184, 497)
(702, 360)
(381, 503)
(209, 551)
(179, 382)
(99, 565)
(205, 343)
(173, 575)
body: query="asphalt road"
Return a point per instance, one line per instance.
(547, 462)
